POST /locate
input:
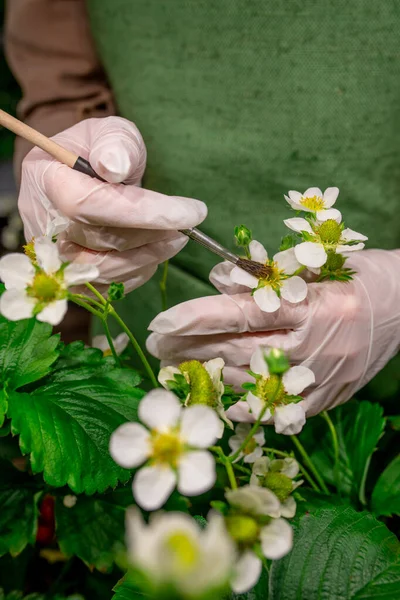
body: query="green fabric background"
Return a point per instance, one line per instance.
(241, 100)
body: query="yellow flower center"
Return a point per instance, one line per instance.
(184, 552)
(330, 232)
(167, 447)
(29, 250)
(274, 279)
(250, 447)
(313, 203)
(45, 288)
(270, 387)
(242, 528)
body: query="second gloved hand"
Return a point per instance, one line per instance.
(344, 332)
(125, 230)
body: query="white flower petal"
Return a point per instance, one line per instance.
(247, 572)
(287, 261)
(16, 271)
(330, 196)
(258, 252)
(298, 224)
(288, 508)
(167, 374)
(341, 248)
(293, 204)
(311, 254)
(276, 539)
(257, 362)
(196, 473)
(294, 289)
(311, 192)
(54, 312)
(250, 458)
(261, 466)
(121, 342)
(296, 379)
(240, 411)
(16, 305)
(290, 467)
(160, 409)
(266, 299)
(100, 342)
(255, 403)
(57, 225)
(130, 445)
(329, 213)
(259, 436)
(289, 419)
(47, 255)
(243, 278)
(295, 196)
(200, 426)
(152, 486)
(349, 235)
(255, 500)
(214, 369)
(76, 274)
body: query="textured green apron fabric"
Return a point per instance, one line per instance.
(241, 100)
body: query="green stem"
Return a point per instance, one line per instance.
(224, 460)
(136, 345)
(242, 469)
(163, 286)
(89, 300)
(335, 443)
(91, 287)
(110, 342)
(299, 270)
(309, 463)
(301, 467)
(92, 310)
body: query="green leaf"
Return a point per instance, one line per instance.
(27, 351)
(338, 553)
(18, 510)
(66, 425)
(94, 528)
(385, 499)
(359, 427)
(289, 241)
(124, 590)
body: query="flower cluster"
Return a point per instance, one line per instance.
(179, 442)
(321, 245)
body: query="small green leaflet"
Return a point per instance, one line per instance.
(385, 499)
(18, 509)
(338, 553)
(93, 529)
(66, 425)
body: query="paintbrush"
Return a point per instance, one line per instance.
(83, 166)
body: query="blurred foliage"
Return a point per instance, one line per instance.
(10, 94)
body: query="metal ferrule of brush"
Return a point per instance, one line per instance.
(203, 239)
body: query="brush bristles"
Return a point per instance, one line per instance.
(254, 268)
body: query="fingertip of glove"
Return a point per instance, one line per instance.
(113, 165)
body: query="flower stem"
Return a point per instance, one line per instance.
(110, 341)
(136, 345)
(309, 463)
(163, 286)
(89, 300)
(88, 307)
(224, 460)
(335, 443)
(96, 293)
(301, 467)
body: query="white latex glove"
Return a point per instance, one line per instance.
(126, 231)
(344, 332)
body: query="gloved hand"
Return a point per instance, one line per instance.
(123, 229)
(344, 332)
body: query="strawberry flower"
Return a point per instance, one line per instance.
(316, 202)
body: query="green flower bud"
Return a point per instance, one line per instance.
(243, 235)
(243, 529)
(334, 262)
(116, 292)
(277, 362)
(330, 232)
(278, 483)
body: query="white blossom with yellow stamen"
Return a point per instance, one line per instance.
(314, 201)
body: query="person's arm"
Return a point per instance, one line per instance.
(51, 53)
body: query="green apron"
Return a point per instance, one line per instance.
(241, 100)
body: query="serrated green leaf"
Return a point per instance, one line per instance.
(27, 351)
(18, 510)
(338, 553)
(66, 426)
(94, 528)
(3, 406)
(385, 499)
(359, 426)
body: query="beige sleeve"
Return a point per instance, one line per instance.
(51, 53)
